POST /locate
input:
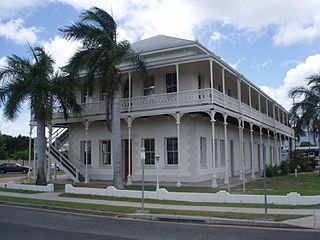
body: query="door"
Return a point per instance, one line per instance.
(125, 158)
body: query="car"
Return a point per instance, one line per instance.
(13, 167)
(57, 167)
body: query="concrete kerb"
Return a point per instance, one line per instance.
(165, 217)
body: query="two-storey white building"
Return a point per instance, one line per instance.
(203, 118)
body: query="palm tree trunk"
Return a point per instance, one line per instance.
(41, 148)
(116, 140)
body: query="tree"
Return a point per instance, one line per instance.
(100, 57)
(36, 82)
(307, 108)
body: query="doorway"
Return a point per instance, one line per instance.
(125, 158)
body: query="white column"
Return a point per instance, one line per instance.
(251, 142)
(276, 149)
(129, 92)
(226, 179)
(129, 177)
(239, 92)
(211, 79)
(223, 84)
(261, 152)
(214, 177)
(268, 149)
(241, 159)
(249, 93)
(86, 152)
(267, 109)
(178, 83)
(179, 159)
(30, 150)
(35, 165)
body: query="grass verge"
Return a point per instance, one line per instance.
(18, 190)
(173, 202)
(122, 209)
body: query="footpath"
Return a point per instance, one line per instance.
(311, 221)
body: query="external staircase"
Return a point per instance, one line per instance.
(57, 150)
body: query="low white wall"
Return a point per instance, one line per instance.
(292, 198)
(13, 185)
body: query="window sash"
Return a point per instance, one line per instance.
(148, 144)
(172, 151)
(105, 152)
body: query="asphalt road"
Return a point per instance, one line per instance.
(26, 223)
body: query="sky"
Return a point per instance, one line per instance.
(275, 44)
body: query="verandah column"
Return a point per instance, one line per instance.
(241, 159)
(129, 108)
(214, 177)
(226, 179)
(251, 152)
(86, 124)
(268, 148)
(211, 79)
(129, 177)
(178, 83)
(178, 117)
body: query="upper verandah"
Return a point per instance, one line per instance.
(161, 51)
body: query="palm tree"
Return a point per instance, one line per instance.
(307, 109)
(100, 57)
(36, 82)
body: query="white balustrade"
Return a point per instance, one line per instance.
(169, 100)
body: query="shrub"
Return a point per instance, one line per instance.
(270, 171)
(284, 167)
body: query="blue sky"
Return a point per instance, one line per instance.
(275, 44)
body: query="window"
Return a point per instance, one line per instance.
(84, 154)
(171, 82)
(222, 154)
(203, 152)
(105, 152)
(149, 150)
(172, 151)
(148, 86)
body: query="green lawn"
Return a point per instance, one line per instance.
(306, 184)
(17, 190)
(174, 202)
(122, 209)
(8, 175)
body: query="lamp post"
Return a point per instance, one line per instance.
(157, 162)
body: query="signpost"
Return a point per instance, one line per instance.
(142, 157)
(265, 182)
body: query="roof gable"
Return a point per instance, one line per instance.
(160, 42)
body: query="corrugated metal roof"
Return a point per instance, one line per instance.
(159, 42)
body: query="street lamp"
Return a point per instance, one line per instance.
(157, 166)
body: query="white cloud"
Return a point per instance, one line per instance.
(295, 77)
(266, 63)
(12, 8)
(16, 31)
(61, 50)
(3, 61)
(236, 64)
(292, 20)
(216, 36)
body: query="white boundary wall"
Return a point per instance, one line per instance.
(291, 198)
(13, 185)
